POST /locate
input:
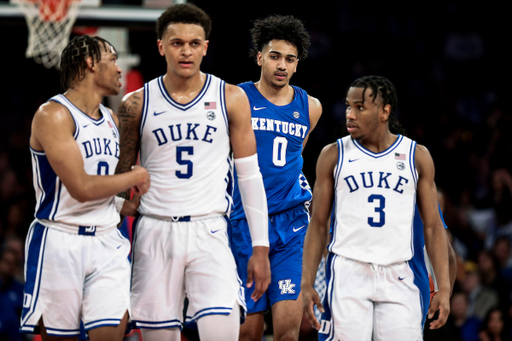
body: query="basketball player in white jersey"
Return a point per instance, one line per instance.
(76, 266)
(186, 124)
(372, 180)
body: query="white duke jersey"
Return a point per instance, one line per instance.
(186, 149)
(98, 141)
(375, 198)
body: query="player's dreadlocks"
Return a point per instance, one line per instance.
(280, 27)
(381, 85)
(73, 59)
(186, 13)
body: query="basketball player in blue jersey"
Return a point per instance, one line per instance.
(186, 125)
(283, 116)
(76, 266)
(372, 180)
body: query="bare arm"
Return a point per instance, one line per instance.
(315, 111)
(452, 259)
(317, 233)
(243, 143)
(52, 132)
(129, 113)
(435, 236)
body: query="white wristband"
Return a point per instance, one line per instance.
(119, 203)
(254, 198)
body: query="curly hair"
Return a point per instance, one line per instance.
(186, 13)
(280, 27)
(381, 85)
(73, 62)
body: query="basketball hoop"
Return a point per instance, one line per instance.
(49, 23)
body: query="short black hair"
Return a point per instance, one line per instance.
(73, 59)
(387, 91)
(280, 27)
(183, 14)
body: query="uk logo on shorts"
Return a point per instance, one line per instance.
(286, 286)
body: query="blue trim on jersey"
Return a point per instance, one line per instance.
(62, 332)
(94, 121)
(209, 311)
(145, 107)
(337, 171)
(48, 180)
(412, 162)
(327, 315)
(229, 188)
(134, 239)
(158, 324)
(101, 323)
(341, 152)
(59, 189)
(190, 104)
(381, 154)
(36, 244)
(223, 107)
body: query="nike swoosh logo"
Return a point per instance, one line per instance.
(352, 160)
(85, 125)
(158, 113)
(215, 231)
(401, 278)
(260, 108)
(298, 228)
(120, 246)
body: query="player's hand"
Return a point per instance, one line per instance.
(441, 302)
(130, 206)
(145, 182)
(258, 271)
(309, 299)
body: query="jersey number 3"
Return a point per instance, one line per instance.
(379, 209)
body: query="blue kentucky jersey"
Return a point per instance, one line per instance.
(280, 132)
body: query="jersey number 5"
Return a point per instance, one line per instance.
(181, 161)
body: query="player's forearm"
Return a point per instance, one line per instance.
(314, 244)
(254, 199)
(96, 187)
(452, 259)
(435, 242)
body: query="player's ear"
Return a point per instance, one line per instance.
(89, 62)
(206, 42)
(386, 111)
(160, 45)
(258, 58)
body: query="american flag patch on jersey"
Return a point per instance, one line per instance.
(110, 124)
(399, 156)
(210, 105)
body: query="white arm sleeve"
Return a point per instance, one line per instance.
(254, 198)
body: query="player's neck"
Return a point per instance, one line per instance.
(378, 141)
(275, 95)
(184, 90)
(85, 100)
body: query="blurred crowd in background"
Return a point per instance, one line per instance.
(451, 72)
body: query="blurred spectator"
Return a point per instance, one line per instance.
(491, 276)
(493, 327)
(480, 297)
(11, 296)
(468, 326)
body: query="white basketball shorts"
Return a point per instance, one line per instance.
(372, 300)
(174, 259)
(72, 277)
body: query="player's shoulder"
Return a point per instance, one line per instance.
(52, 112)
(132, 103)
(234, 92)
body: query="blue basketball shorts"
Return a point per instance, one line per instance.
(287, 231)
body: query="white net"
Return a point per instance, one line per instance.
(49, 23)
